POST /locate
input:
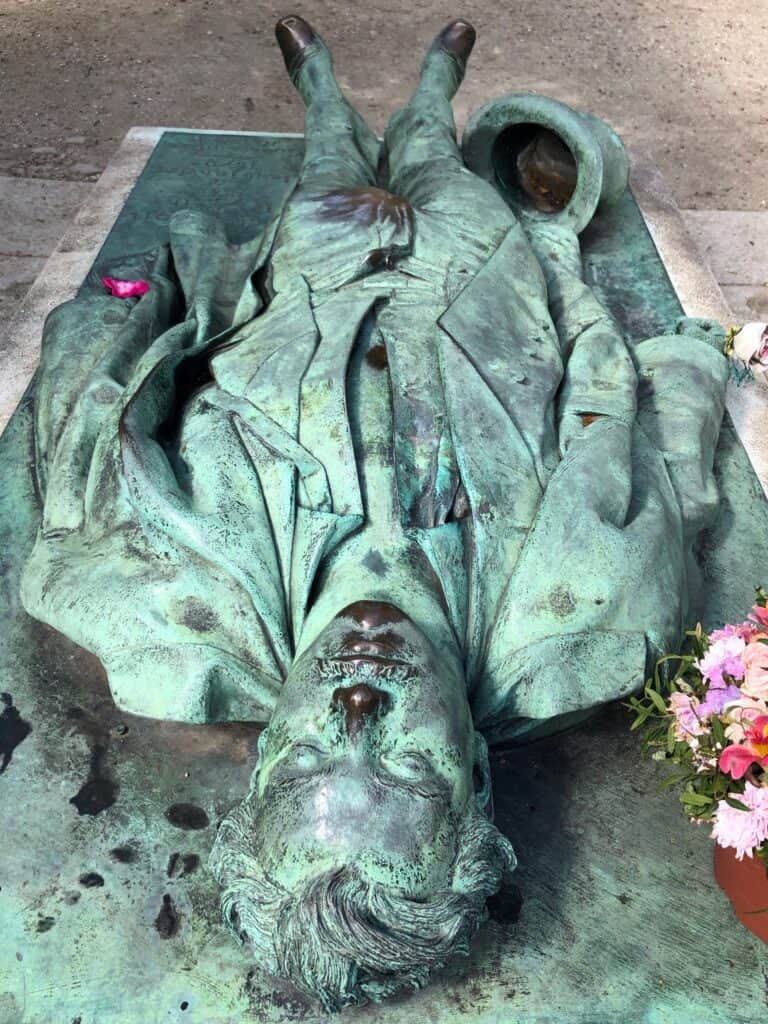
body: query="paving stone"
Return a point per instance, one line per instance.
(733, 242)
(17, 274)
(748, 302)
(35, 212)
(84, 168)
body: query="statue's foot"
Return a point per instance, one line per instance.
(296, 38)
(458, 40)
(446, 60)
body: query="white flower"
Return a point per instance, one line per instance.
(744, 831)
(750, 344)
(740, 712)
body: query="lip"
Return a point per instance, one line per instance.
(381, 645)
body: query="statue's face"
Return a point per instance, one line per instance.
(369, 756)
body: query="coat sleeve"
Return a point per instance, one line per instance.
(155, 550)
(600, 589)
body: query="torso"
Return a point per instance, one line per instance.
(383, 560)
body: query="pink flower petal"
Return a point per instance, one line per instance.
(736, 760)
(759, 614)
(125, 289)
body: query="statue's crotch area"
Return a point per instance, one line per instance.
(386, 218)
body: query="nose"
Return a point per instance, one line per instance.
(359, 702)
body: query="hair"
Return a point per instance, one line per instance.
(344, 940)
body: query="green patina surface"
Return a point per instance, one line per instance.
(111, 917)
(241, 178)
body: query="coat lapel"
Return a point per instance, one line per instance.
(501, 323)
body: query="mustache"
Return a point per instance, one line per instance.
(362, 669)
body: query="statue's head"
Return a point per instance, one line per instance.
(363, 856)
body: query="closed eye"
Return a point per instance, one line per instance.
(302, 758)
(408, 764)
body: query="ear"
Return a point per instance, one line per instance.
(481, 774)
(261, 746)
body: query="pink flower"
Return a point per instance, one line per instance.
(755, 659)
(746, 630)
(722, 656)
(740, 714)
(687, 724)
(745, 831)
(717, 699)
(125, 289)
(738, 758)
(759, 615)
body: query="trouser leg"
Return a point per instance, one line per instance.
(422, 136)
(340, 148)
(459, 210)
(318, 235)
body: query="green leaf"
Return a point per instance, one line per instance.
(670, 781)
(657, 699)
(640, 720)
(671, 738)
(733, 802)
(696, 799)
(718, 731)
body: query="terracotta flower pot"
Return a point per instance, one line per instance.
(745, 883)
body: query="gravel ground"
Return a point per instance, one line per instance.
(682, 79)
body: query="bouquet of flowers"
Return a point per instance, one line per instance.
(709, 722)
(747, 348)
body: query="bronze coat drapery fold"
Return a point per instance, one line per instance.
(183, 534)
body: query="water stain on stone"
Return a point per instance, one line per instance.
(13, 730)
(168, 921)
(91, 880)
(187, 816)
(505, 906)
(262, 999)
(100, 789)
(125, 854)
(182, 864)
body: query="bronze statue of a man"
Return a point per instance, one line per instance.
(389, 480)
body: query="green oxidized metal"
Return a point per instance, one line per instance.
(392, 478)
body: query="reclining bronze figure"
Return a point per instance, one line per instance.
(388, 479)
